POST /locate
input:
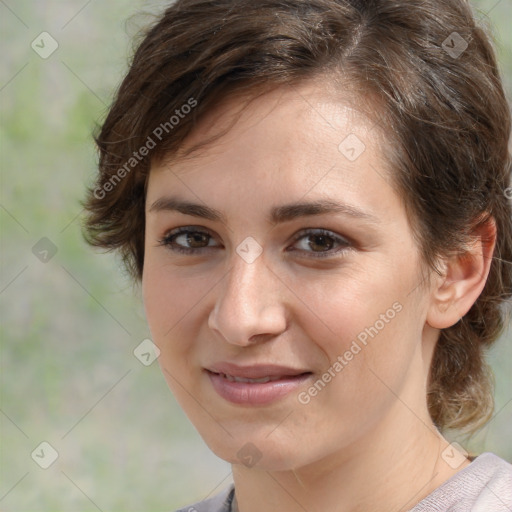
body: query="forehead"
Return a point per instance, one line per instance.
(290, 141)
(297, 112)
(299, 120)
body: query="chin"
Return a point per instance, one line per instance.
(259, 450)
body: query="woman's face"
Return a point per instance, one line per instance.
(291, 329)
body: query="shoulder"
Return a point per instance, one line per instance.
(486, 484)
(219, 503)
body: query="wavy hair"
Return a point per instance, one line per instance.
(434, 74)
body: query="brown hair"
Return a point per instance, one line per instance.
(433, 72)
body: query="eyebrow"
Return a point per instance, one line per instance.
(278, 214)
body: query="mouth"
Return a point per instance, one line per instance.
(255, 385)
(232, 378)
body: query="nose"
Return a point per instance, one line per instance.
(249, 306)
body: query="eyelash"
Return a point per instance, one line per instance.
(168, 241)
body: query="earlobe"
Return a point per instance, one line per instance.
(462, 279)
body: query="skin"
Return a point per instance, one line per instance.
(366, 441)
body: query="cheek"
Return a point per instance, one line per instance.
(169, 295)
(370, 366)
(359, 386)
(368, 327)
(170, 304)
(351, 305)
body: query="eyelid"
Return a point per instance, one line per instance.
(344, 241)
(319, 232)
(164, 240)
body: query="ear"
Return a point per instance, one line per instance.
(463, 279)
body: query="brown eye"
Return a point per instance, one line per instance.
(320, 243)
(187, 240)
(196, 239)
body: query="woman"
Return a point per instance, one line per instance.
(313, 194)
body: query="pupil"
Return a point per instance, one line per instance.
(323, 242)
(196, 238)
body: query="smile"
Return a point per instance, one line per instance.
(244, 379)
(256, 390)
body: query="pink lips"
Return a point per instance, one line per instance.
(254, 385)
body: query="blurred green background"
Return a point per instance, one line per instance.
(70, 324)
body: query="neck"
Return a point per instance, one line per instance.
(392, 468)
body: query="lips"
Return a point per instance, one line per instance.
(259, 371)
(256, 384)
(232, 378)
